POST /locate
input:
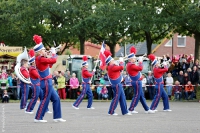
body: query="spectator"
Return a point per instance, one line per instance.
(169, 83)
(180, 78)
(55, 77)
(102, 81)
(99, 88)
(5, 97)
(67, 80)
(191, 63)
(189, 90)
(196, 64)
(55, 86)
(109, 88)
(183, 66)
(144, 81)
(74, 84)
(177, 89)
(10, 80)
(104, 93)
(195, 77)
(61, 86)
(127, 87)
(186, 78)
(189, 71)
(150, 87)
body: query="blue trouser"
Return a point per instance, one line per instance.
(191, 94)
(138, 95)
(151, 91)
(177, 95)
(36, 92)
(118, 96)
(169, 90)
(25, 91)
(48, 94)
(160, 92)
(86, 90)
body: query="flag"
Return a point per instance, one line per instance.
(102, 57)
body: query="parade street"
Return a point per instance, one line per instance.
(184, 118)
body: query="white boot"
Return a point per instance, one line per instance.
(75, 107)
(29, 112)
(150, 111)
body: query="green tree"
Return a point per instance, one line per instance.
(185, 16)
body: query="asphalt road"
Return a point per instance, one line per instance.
(185, 118)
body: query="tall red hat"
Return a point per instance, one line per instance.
(38, 40)
(31, 56)
(85, 58)
(133, 51)
(108, 56)
(153, 59)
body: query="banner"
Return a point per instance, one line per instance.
(12, 51)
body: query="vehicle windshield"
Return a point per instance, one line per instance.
(77, 64)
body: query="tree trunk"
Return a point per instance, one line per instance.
(82, 46)
(149, 42)
(112, 49)
(197, 45)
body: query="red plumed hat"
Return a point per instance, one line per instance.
(38, 40)
(31, 55)
(108, 56)
(153, 59)
(107, 53)
(85, 58)
(132, 52)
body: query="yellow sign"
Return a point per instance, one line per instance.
(12, 51)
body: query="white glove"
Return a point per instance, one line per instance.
(121, 59)
(94, 70)
(53, 50)
(140, 59)
(164, 63)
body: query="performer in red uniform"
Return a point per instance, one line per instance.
(35, 84)
(42, 64)
(86, 75)
(24, 86)
(134, 72)
(115, 78)
(160, 92)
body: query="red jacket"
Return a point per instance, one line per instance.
(24, 72)
(114, 71)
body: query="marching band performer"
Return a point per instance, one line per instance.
(86, 75)
(42, 64)
(35, 84)
(136, 77)
(160, 92)
(24, 86)
(115, 78)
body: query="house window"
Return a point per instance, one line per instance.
(169, 43)
(181, 41)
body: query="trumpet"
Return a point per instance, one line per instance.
(126, 58)
(57, 49)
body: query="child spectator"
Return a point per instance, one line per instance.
(99, 88)
(104, 93)
(5, 97)
(189, 90)
(169, 83)
(177, 91)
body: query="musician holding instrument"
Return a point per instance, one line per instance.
(159, 84)
(134, 72)
(35, 84)
(115, 78)
(86, 75)
(23, 85)
(42, 64)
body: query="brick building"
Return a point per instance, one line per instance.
(90, 49)
(178, 45)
